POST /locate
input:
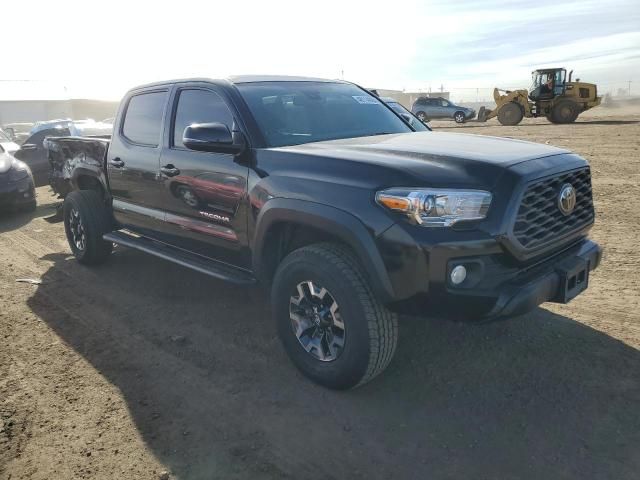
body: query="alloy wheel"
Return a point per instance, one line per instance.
(316, 321)
(76, 227)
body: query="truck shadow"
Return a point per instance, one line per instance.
(213, 395)
(12, 219)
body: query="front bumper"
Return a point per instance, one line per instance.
(497, 284)
(558, 280)
(16, 194)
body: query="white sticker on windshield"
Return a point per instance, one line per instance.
(365, 100)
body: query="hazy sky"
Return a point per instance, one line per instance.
(101, 48)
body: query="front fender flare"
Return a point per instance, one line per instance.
(339, 223)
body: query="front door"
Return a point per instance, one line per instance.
(204, 193)
(435, 108)
(133, 163)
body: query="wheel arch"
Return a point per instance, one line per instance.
(88, 179)
(325, 223)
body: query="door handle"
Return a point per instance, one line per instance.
(116, 162)
(170, 170)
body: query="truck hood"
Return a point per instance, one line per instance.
(435, 146)
(434, 157)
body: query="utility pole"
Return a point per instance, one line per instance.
(629, 82)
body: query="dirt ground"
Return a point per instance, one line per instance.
(140, 369)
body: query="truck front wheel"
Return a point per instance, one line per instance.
(331, 325)
(86, 219)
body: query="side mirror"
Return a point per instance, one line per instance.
(212, 137)
(407, 118)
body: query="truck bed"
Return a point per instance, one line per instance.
(68, 155)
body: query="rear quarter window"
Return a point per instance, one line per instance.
(143, 118)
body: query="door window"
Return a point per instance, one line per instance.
(199, 106)
(143, 118)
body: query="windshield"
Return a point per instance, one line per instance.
(291, 113)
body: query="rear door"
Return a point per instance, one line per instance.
(133, 161)
(204, 193)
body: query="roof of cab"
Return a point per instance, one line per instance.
(238, 79)
(277, 78)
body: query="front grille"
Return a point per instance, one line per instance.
(540, 221)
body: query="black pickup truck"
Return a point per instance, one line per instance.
(321, 191)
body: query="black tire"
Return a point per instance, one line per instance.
(510, 114)
(564, 111)
(422, 116)
(95, 218)
(459, 117)
(370, 330)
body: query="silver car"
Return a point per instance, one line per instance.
(427, 108)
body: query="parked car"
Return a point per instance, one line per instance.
(400, 109)
(18, 132)
(17, 189)
(33, 152)
(7, 143)
(427, 108)
(316, 189)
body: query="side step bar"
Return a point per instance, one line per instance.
(194, 262)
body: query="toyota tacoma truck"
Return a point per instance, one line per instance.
(321, 192)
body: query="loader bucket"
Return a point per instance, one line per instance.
(483, 113)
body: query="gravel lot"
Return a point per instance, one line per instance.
(140, 369)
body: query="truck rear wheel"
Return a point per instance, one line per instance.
(86, 219)
(331, 325)
(565, 111)
(510, 114)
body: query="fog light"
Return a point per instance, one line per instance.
(458, 274)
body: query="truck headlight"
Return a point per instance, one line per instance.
(18, 171)
(434, 207)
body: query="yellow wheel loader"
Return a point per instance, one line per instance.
(551, 95)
